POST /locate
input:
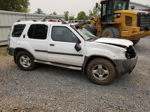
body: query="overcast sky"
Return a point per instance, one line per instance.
(73, 6)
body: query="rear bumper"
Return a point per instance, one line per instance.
(11, 51)
(126, 66)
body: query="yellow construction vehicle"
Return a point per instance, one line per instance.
(117, 21)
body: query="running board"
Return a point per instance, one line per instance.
(59, 65)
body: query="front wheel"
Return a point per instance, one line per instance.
(111, 32)
(25, 61)
(101, 71)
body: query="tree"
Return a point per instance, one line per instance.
(94, 12)
(54, 13)
(71, 18)
(14, 5)
(39, 11)
(82, 16)
(66, 14)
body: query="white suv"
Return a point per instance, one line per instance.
(64, 45)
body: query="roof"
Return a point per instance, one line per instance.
(142, 5)
(40, 22)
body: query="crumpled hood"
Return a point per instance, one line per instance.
(114, 41)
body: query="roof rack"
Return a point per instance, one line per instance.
(42, 19)
(29, 19)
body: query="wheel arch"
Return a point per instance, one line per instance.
(90, 58)
(17, 50)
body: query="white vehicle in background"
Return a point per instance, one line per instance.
(63, 45)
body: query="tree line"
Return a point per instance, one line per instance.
(80, 16)
(23, 6)
(15, 5)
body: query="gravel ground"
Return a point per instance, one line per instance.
(54, 89)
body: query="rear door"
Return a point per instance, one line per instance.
(37, 40)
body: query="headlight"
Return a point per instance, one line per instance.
(130, 53)
(128, 21)
(117, 15)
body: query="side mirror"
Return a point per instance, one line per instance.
(96, 5)
(77, 46)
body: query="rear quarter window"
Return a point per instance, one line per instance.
(17, 30)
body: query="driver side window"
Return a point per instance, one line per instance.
(63, 34)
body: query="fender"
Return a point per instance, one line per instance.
(20, 49)
(89, 58)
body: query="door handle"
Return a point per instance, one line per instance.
(52, 44)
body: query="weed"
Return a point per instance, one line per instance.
(5, 54)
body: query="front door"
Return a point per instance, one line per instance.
(62, 47)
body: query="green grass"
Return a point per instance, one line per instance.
(5, 54)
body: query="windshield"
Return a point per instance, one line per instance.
(120, 5)
(86, 34)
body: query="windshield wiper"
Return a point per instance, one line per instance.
(90, 39)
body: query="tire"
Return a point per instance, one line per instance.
(135, 41)
(111, 32)
(101, 71)
(25, 61)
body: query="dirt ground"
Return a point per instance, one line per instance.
(3, 50)
(54, 89)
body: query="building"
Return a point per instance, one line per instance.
(139, 6)
(7, 18)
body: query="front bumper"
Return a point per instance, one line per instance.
(126, 66)
(11, 51)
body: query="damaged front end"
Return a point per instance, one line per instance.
(130, 53)
(126, 62)
(127, 65)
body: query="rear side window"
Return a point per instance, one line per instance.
(18, 29)
(38, 31)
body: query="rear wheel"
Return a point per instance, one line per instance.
(101, 71)
(25, 61)
(111, 32)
